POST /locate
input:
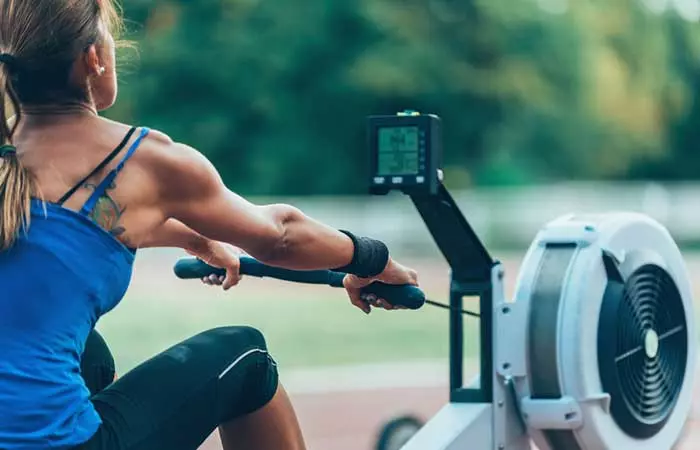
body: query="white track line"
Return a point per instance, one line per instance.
(421, 374)
(410, 374)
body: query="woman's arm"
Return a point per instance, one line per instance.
(192, 192)
(173, 233)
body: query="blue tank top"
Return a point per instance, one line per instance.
(58, 279)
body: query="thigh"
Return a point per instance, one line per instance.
(175, 400)
(97, 363)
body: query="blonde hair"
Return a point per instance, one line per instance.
(40, 40)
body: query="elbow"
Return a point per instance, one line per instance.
(280, 247)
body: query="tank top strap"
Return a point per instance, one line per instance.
(99, 167)
(112, 175)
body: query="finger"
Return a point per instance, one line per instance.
(357, 300)
(233, 275)
(368, 297)
(385, 304)
(371, 299)
(377, 302)
(214, 279)
(232, 279)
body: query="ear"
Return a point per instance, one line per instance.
(91, 60)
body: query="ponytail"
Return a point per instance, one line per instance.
(15, 180)
(39, 43)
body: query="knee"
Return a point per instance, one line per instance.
(239, 337)
(260, 381)
(251, 373)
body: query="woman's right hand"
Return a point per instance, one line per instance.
(394, 273)
(222, 256)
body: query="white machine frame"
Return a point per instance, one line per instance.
(485, 425)
(511, 419)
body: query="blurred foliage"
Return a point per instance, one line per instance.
(275, 94)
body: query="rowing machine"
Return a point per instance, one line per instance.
(597, 349)
(595, 352)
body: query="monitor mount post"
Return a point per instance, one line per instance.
(471, 267)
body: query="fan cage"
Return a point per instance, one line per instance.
(643, 349)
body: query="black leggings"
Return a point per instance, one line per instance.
(175, 400)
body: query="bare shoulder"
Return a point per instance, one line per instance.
(161, 148)
(158, 137)
(170, 162)
(173, 157)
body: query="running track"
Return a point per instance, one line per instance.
(348, 415)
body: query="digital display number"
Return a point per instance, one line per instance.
(398, 151)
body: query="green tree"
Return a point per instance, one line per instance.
(276, 94)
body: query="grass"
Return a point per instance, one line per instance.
(304, 325)
(300, 332)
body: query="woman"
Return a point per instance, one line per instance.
(79, 194)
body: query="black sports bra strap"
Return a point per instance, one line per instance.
(101, 166)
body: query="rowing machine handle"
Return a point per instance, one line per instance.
(398, 295)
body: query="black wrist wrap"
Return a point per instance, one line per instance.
(369, 258)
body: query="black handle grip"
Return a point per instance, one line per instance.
(191, 268)
(398, 295)
(188, 268)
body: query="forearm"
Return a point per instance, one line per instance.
(305, 243)
(173, 233)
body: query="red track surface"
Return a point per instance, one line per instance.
(350, 420)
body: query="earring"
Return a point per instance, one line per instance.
(102, 70)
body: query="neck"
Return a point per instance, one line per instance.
(62, 109)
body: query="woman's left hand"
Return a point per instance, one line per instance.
(222, 256)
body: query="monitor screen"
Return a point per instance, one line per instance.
(398, 151)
